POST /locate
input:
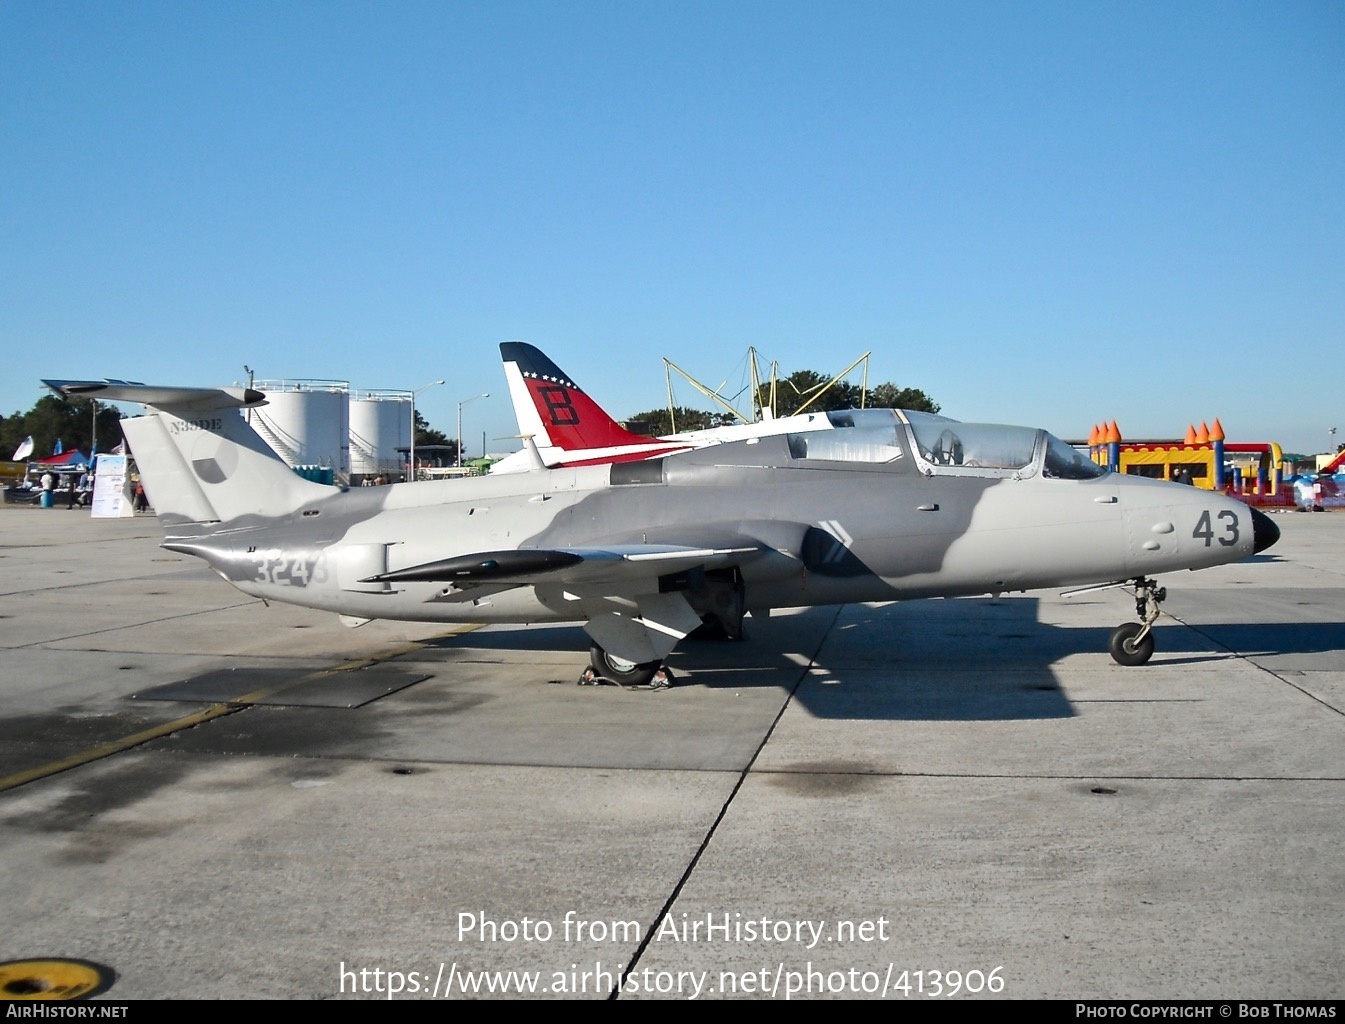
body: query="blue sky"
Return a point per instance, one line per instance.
(1045, 213)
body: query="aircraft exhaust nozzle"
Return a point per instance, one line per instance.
(1264, 531)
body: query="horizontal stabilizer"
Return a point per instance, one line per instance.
(200, 461)
(161, 397)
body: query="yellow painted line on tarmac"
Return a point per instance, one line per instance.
(215, 711)
(115, 746)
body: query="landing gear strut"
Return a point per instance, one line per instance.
(652, 675)
(1132, 643)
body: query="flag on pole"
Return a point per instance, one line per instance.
(24, 450)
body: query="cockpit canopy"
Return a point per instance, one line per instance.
(938, 445)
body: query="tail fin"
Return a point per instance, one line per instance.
(198, 458)
(553, 409)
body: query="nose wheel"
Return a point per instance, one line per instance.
(1132, 643)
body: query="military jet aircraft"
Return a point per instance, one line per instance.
(885, 505)
(571, 429)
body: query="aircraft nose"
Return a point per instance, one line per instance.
(1264, 531)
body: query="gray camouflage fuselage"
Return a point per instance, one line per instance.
(825, 532)
(880, 506)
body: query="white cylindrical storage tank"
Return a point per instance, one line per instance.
(380, 423)
(307, 422)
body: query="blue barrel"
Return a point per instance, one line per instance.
(48, 499)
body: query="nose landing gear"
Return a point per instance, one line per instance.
(1132, 643)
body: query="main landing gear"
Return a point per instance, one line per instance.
(1132, 643)
(648, 675)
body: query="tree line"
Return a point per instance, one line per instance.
(53, 419)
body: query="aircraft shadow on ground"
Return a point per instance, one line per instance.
(933, 660)
(966, 659)
(548, 637)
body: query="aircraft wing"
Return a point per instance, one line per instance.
(617, 587)
(617, 565)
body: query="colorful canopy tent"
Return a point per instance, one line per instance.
(70, 460)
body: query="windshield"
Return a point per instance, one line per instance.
(1064, 462)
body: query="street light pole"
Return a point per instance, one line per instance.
(460, 405)
(434, 383)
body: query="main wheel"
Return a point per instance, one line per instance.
(1125, 649)
(619, 670)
